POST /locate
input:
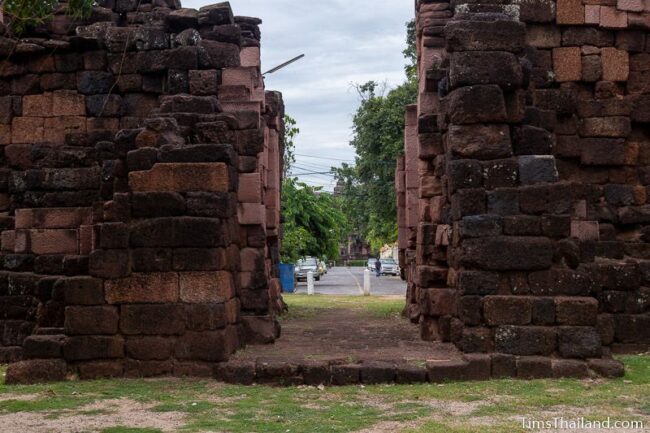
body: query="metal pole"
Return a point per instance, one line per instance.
(310, 283)
(285, 64)
(366, 282)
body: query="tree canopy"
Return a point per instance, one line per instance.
(313, 222)
(368, 188)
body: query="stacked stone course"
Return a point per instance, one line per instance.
(525, 241)
(140, 193)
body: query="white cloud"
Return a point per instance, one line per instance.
(344, 42)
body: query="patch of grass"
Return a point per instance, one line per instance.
(305, 306)
(491, 406)
(441, 427)
(122, 429)
(188, 406)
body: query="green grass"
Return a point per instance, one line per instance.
(122, 429)
(207, 406)
(305, 306)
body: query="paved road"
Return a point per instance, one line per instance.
(349, 281)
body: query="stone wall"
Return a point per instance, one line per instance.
(140, 193)
(531, 234)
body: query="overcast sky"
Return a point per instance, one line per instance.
(345, 42)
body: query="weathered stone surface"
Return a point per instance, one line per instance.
(476, 104)
(489, 67)
(479, 141)
(497, 35)
(507, 253)
(36, 371)
(525, 340)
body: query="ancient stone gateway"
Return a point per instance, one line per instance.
(523, 205)
(141, 178)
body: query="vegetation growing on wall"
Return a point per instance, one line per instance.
(25, 14)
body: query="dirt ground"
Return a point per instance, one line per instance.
(351, 335)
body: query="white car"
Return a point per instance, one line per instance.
(304, 266)
(389, 266)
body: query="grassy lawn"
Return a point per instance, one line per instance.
(186, 405)
(303, 306)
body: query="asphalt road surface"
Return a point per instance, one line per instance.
(349, 281)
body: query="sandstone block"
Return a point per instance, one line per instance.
(143, 288)
(27, 130)
(611, 127)
(616, 64)
(109, 263)
(95, 370)
(497, 35)
(490, 67)
(534, 367)
(178, 232)
(507, 310)
(87, 320)
(93, 347)
(570, 12)
(576, 311)
(612, 18)
(476, 104)
(68, 103)
(149, 348)
(214, 346)
(507, 253)
(479, 141)
(82, 291)
(205, 317)
(168, 319)
(579, 342)
(36, 371)
(567, 64)
(52, 218)
(181, 177)
(54, 241)
(206, 287)
(537, 169)
(525, 340)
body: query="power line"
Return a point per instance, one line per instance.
(322, 157)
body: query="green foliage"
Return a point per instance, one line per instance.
(313, 222)
(410, 52)
(25, 14)
(368, 188)
(291, 130)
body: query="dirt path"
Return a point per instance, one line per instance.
(353, 335)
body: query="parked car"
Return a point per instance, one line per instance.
(303, 266)
(371, 264)
(389, 266)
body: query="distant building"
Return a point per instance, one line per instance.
(356, 248)
(389, 251)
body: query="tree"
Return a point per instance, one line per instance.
(24, 14)
(291, 130)
(313, 222)
(368, 189)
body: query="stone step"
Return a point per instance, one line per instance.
(471, 367)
